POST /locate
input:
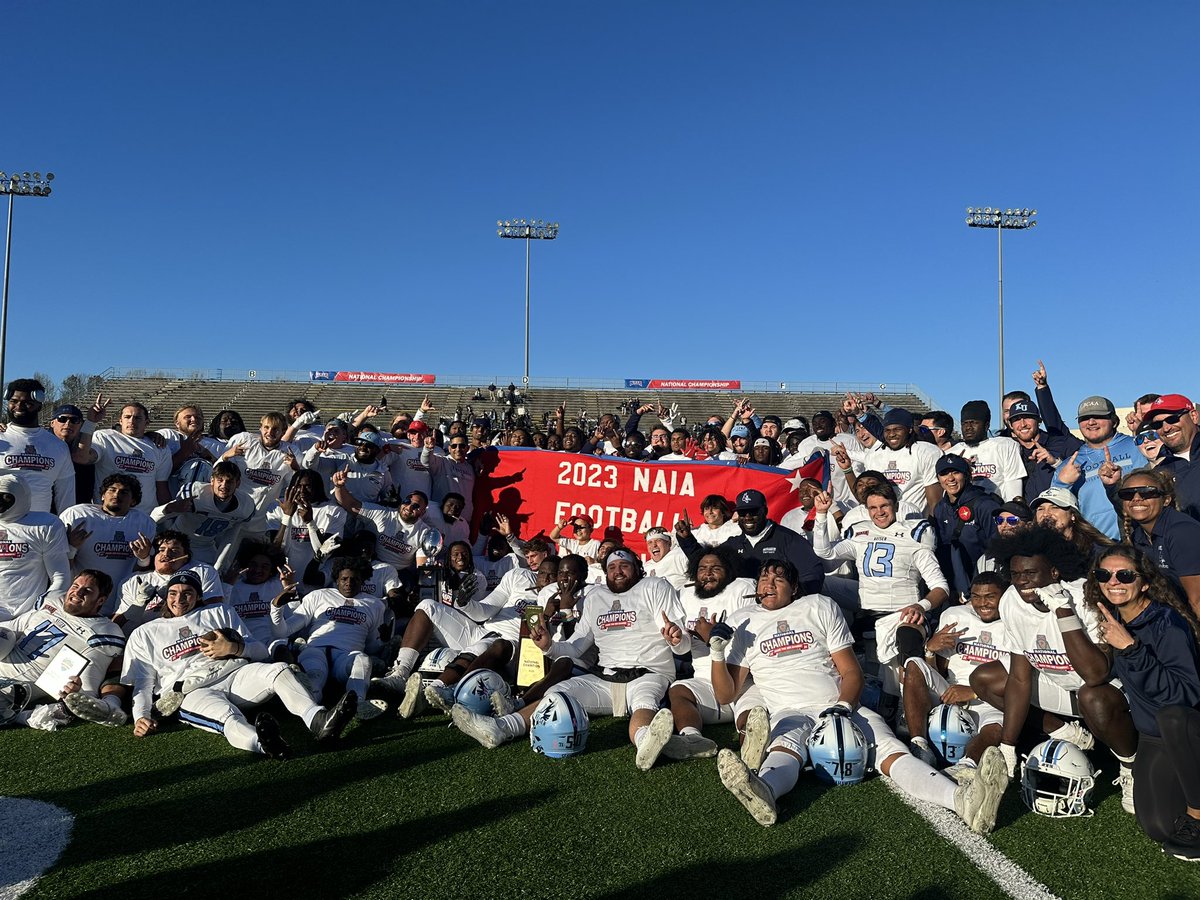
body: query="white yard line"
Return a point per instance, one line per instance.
(32, 836)
(1010, 877)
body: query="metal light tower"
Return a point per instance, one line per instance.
(529, 231)
(24, 185)
(1013, 219)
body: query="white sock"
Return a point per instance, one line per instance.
(112, 701)
(512, 726)
(915, 778)
(406, 661)
(689, 729)
(640, 735)
(780, 771)
(1125, 761)
(294, 695)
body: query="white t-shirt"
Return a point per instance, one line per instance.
(708, 536)
(117, 452)
(408, 472)
(398, 541)
(329, 518)
(33, 562)
(983, 642)
(1035, 635)
(996, 466)
(789, 651)
(265, 472)
(211, 589)
(909, 469)
(673, 567)
(211, 530)
(107, 547)
(738, 594)
(44, 462)
(331, 620)
(252, 603)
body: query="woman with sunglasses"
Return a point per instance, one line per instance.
(1010, 517)
(1150, 442)
(1151, 641)
(1170, 538)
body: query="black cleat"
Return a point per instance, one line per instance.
(269, 738)
(330, 723)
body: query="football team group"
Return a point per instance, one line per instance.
(956, 610)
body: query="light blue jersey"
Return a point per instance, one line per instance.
(1093, 499)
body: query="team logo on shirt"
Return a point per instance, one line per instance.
(896, 475)
(187, 644)
(703, 614)
(29, 458)
(118, 549)
(396, 543)
(785, 641)
(347, 615)
(979, 651)
(12, 549)
(263, 477)
(253, 607)
(616, 618)
(1046, 658)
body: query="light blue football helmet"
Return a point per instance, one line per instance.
(950, 728)
(475, 691)
(559, 727)
(838, 751)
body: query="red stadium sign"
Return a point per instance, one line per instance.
(677, 384)
(537, 490)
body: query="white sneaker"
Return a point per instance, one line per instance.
(414, 697)
(484, 729)
(1124, 781)
(654, 739)
(503, 704)
(690, 746)
(962, 771)
(93, 709)
(922, 751)
(168, 702)
(1078, 735)
(370, 709)
(978, 800)
(750, 790)
(440, 695)
(754, 738)
(389, 684)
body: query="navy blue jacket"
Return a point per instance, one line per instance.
(1161, 668)
(1187, 478)
(1055, 437)
(778, 543)
(962, 538)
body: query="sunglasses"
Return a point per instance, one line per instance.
(1145, 436)
(1125, 576)
(1008, 520)
(65, 420)
(1172, 419)
(1146, 493)
(457, 446)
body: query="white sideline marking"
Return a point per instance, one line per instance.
(1007, 875)
(32, 836)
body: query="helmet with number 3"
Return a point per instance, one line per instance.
(1057, 780)
(476, 689)
(838, 751)
(950, 728)
(559, 727)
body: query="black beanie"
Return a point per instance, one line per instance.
(977, 410)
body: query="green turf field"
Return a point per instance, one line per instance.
(418, 810)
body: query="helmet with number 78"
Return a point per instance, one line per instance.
(1057, 780)
(838, 751)
(559, 727)
(950, 729)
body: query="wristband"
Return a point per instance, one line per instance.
(1069, 623)
(716, 654)
(925, 605)
(88, 427)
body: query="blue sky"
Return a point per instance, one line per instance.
(763, 191)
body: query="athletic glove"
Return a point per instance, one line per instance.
(719, 639)
(841, 708)
(146, 591)
(307, 418)
(466, 590)
(1055, 596)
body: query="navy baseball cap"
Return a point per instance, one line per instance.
(1024, 409)
(952, 462)
(750, 499)
(67, 409)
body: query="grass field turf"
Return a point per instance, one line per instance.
(418, 810)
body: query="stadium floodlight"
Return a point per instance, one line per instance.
(14, 185)
(1012, 219)
(535, 230)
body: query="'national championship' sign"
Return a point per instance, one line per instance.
(368, 377)
(537, 490)
(682, 384)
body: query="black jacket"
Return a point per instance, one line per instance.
(964, 528)
(777, 542)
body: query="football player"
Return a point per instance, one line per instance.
(799, 652)
(34, 551)
(73, 636)
(636, 625)
(143, 594)
(211, 515)
(43, 459)
(266, 461)
(207, 654)
(126, 449)
(401, 531)
(103, 535)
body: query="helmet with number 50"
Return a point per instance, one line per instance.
(950, 729)
(1057, 780)
(559, 727)
(838, 751)
(476, 689)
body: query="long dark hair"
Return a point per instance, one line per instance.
(1159, 587)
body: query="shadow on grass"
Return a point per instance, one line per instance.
(776, 875)
(333, 866)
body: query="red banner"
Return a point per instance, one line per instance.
(382, 378)
(680, 384)
(537, 490)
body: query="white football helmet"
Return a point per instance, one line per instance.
(559, 726)
(1057, 780)
(838, 751)
(950, 728)
(435, 661)
(475, 691)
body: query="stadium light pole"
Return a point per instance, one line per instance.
(1015, 220)
(14, 185)
(535, 230)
